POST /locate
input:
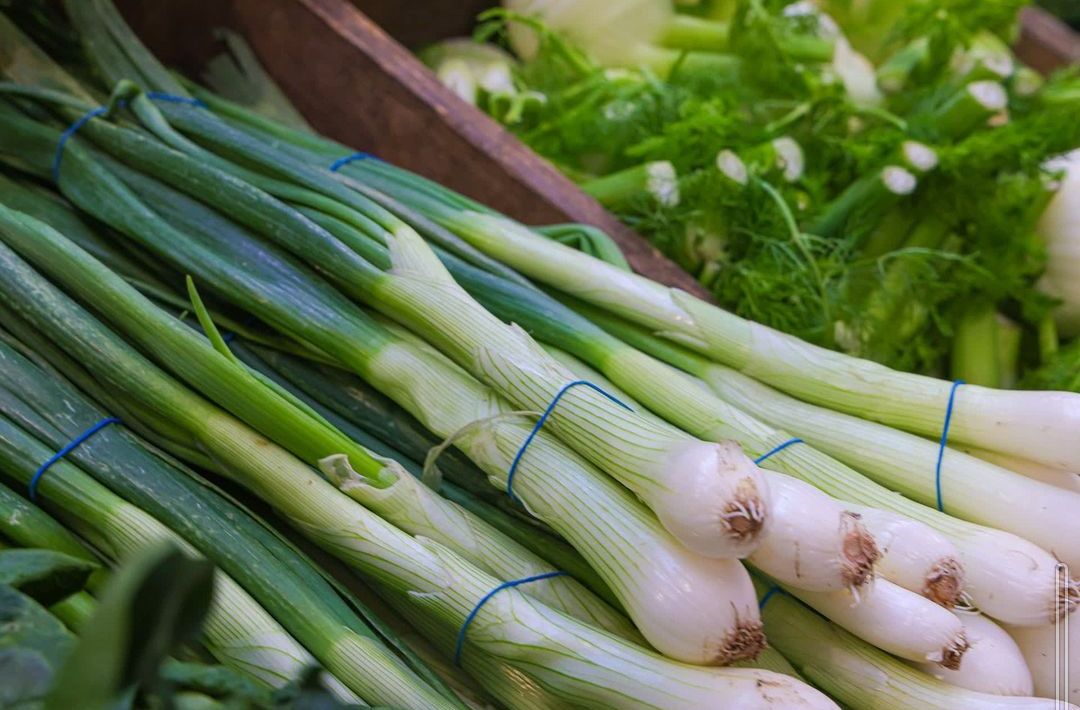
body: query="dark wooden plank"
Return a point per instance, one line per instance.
(1046, 43)
(422, 22)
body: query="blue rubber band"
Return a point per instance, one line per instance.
(768, 595)
(777, 449)
(100, 110)
(540, 424)
(944, 442)
(173, 98)
(459, 645)
(342, 162)
(68, 133)
(74, 444)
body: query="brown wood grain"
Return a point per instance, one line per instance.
(1045, 43)
(356, 84)
(416, 24)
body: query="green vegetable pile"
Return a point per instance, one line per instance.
(747, 138)
(340, 436)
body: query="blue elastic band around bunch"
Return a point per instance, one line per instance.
(100, 110)
(777, 449)
(944, 443)
(173, 98)
(71, 446)
(540, 425)
(342, 162)
(484, 600)
(768, 595)
(68, 133)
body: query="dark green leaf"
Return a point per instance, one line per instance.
(152, 605)
(43, 575)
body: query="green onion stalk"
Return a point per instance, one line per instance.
(688, 404)
(23, 524)
(277, 574)
(1005, 510)
(731, 633)
(446, 400)
(887, 615)
(354, 406)
(814, 544)
(1026, 615)
(662, 465)
(374, 421)
(237, 631)
(1039, 426)
(258, 445)
(435, 190)
(861, 676)
(708, 497)
(362, 662)
(575, 661)
(387, 489)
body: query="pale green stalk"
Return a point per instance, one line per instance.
(1040, 426)
(971, 489)
(577, 662)
(389, 490)
(711, 498)
(1027, 592)
(657, 580)
(238, 632)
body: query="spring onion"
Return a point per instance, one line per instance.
(993, 662)
(1063, 479)
(729, 505)
(859, 675)
(1049, 651)
(403, 500)
(240, 633)
(1034, 425)
(971, 489)
(584, 664)
(847, 557)
(729, 633)
(895, 620)
(1035, 592)
(914, 556)
(814, 543)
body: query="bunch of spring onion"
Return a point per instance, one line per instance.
(888, 210)
(68, 646)
(150, 189)
(425, 577)
(106, 489)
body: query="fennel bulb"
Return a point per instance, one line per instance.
(1060, 227)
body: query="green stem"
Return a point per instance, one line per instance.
(695, 33)
(975, 353)
(657, 180)
(867, 197)
(969, 108)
